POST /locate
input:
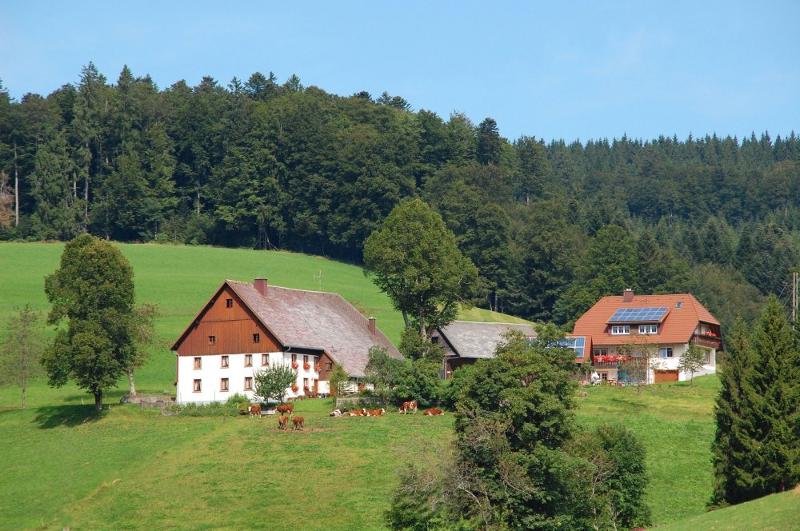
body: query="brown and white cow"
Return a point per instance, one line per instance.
(283, 422)
(433, 412)
(298, 423)
(411, 405)
(285, 408)
(255, 410)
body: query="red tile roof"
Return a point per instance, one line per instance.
(677, 327)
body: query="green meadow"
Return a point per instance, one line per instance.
(134, 468)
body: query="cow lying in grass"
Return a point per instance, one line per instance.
(411, 405)
(358, 413)
(376, 412)
(433, 412)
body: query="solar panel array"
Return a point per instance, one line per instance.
(638, 315)
(575, 343)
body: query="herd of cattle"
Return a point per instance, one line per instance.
(286, 413)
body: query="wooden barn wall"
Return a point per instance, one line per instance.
(233, 327)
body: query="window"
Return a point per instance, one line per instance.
(248, 360)
(229, 303)
(679, 304)
(648, 328)
(665, 352)
(264, 360)
(248, 383)
(256, 338)
(294, 357)
(198, 362)
(197, 386)
(305, 383)
(223, 384)
(620, 330)
(212, 340)
(600, 351)
(577, 344)
(224, 362)
(305, 359)
(435, 340)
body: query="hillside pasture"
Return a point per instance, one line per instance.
(63, 466)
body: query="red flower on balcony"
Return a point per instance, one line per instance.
(306, 366)
(294, 365)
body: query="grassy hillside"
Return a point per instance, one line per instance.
(127, 467)
(779, 512)
(181, 278)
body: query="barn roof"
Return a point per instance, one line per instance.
(470, 339)
(684, 312)
(313, 320)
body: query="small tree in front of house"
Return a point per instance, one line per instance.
(338, 380)
(144, 336)
(21, 350)
(692, 360)
(271, 383)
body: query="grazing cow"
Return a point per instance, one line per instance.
(285, 408)
(336, 413)
(255, 410)
(283, 421)
(298, 423)
(411, 405)
(433, 412)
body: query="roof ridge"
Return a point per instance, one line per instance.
(490, 322)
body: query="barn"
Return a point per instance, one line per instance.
(249, 326)
(465, 342)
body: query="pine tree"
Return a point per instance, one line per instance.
(489, 143)
(756, 450)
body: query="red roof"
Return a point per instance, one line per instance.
(684, 314)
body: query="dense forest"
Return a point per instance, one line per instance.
(551, 226)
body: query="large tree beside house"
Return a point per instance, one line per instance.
(92, 303)
(414, 259)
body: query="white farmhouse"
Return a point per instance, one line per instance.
(246, 327)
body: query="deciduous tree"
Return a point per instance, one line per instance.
(92, 300)
(21, 350)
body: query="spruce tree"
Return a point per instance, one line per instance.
(756, 450)
(731, 450)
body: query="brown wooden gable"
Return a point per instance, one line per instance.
(232, 328)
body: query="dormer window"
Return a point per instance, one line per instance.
(648, 329)
(620, 330)
(229, 303)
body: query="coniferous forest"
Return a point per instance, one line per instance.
(551, 224)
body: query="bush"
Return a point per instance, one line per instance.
(212, 409)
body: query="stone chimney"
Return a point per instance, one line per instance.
(627, 295)
(371, 325)
(261, 285)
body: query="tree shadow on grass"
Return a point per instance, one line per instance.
(48, 417)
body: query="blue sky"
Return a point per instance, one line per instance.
(573, 70)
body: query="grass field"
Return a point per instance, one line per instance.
(136, 468)
(779, 512)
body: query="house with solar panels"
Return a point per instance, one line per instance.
(618, 331)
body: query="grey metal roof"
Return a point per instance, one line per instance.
(315, 320)
(472, 339)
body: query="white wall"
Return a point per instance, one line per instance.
(673, 362)
(211, 372)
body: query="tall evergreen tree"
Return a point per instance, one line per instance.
(756, 450)
(489, 143)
